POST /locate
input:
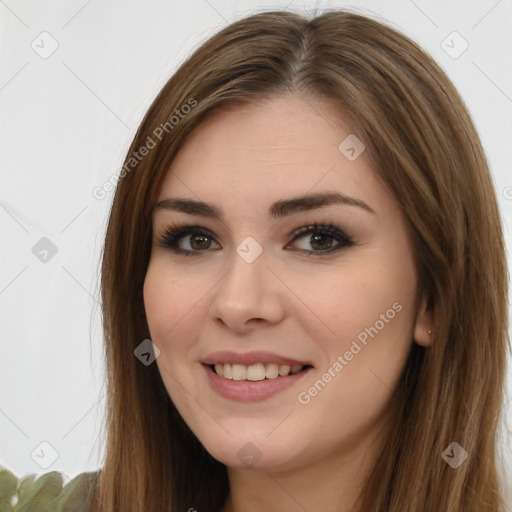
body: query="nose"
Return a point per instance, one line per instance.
(249, 295)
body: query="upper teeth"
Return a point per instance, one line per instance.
(257, 371)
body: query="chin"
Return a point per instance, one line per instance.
(253, 452)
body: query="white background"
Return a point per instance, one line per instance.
(66, 123)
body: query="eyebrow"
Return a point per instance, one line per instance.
(279, 209)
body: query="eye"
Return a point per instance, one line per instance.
(200, 239)
(196, 236)
(321, 236)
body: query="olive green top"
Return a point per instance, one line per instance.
(47, 493)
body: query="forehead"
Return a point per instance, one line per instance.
(275, 129)
(286, 146)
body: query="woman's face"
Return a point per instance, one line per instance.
(248, 293)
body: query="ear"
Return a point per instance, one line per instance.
(424, 327)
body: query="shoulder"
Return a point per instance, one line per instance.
(47, 493)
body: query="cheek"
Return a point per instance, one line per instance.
(368, 310)
(167, 300)
(370, 313)
(166, 304)
(157, 301)
(355, 299)
(171, 308)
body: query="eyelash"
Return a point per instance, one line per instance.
(174, 232)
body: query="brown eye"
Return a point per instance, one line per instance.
(200, 239)
(321, 237)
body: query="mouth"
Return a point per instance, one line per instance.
(254, 382)
(256, 372)
(253, 376)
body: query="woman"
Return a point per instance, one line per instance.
(304, 283)
(272, 108)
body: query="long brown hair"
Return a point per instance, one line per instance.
(424, 146)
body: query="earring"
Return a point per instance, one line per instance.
(429, 331)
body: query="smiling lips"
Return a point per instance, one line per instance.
(254, 366)
(253, 376)
(254, 372)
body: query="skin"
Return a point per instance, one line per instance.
(314, 456)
